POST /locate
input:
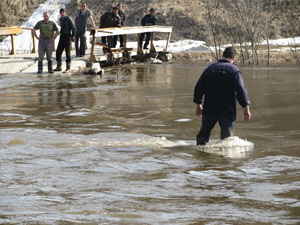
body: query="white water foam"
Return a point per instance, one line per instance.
(232, 147)
(183, 120)
(36, 137)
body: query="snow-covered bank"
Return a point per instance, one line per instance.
(23, 42)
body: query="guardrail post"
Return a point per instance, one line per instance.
(33, 43)
(12, 52)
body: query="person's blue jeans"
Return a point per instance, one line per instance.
(209, 122)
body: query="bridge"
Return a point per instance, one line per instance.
(12, 31)
(126, 52)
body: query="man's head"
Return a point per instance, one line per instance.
(116, 10)
(62, 12)
(46, 16)
(83, 5)
(152, 11)
(230, 54)
(120, 6)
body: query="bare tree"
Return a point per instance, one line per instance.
(213, 8)
(292, 21)
(250, 13)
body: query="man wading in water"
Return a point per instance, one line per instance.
(221, 84)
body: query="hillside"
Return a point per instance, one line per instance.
(188, 17)
(178, 14)
(16, 12)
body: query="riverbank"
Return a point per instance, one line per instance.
(27, 63)
(194, 57)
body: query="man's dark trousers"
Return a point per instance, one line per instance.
(64, 43)
(80, 37)
(142, 35)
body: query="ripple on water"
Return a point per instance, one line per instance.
(117, 175)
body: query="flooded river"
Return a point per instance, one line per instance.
(120, 149)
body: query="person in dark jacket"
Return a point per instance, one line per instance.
(111, 19)
(67, 34)
(147, 20)
(221, 84)
(122, 15)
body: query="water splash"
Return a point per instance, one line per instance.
(114, 140)
(232, 147)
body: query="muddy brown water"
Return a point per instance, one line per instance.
(120, 149)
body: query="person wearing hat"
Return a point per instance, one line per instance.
(67, 34)
(111, 19)
(147, 20)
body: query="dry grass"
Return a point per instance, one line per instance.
(200, 57)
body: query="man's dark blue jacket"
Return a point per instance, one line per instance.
(222, 84)
(148, 20)
(67, 26)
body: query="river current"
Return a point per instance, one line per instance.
(120, 149)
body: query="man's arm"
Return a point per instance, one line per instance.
(55, 35)
(73, 29)
(247, 114)
(199, 90)
(34, 33)
(75, 16)
(154, 21)
(240, 89)
(199, 110)
(198, 95)
(143, 21)
(92, 21)
(56, 31)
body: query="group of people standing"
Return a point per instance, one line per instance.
(71, 32)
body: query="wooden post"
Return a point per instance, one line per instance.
(33, 43)
(152, 48)
(125, 54)
(12, 52)
(168, 40)
(139, 47)
(125, 41)
(92, 56)
(109, 41)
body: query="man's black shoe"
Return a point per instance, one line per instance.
(201, 142)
